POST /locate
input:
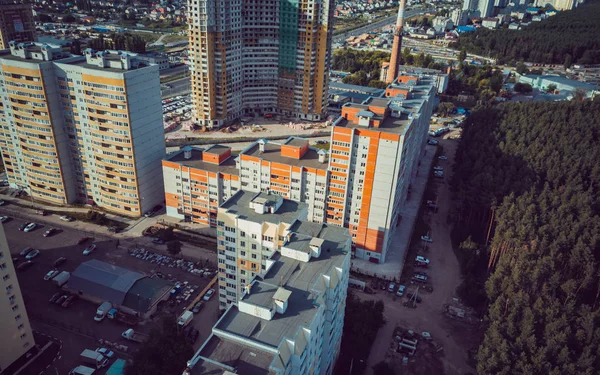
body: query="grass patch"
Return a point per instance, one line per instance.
(174, 38)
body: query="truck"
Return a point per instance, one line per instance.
(185, 318)
(82, 370)
(61, 279)
(93, 358)
(102, 311)
(132, 335)
(122, 317)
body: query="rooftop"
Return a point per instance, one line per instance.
(226, 355)
(356, 88)
(218, 149)
(272, 153)
(296, 142)
(239, 204)
(195, 161)
(141, 295)
(294, 276)
(103, 280)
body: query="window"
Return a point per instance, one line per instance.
(23, 336)
(242, 233)
(243, 243)
(253, 256)
(5, 277)
(17, 318)
(3, 266)
(9, 289)
(253, 246)
(15, 308)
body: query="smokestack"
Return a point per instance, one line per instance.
(392, 72)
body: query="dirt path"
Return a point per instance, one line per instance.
(445, 276)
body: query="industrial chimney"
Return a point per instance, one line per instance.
(392, 72)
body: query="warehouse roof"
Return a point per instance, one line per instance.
(103, 280)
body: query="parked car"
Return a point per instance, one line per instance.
(432, 142)
(54, 297)
(420, 273)
(32, 254)
(90, 249)
(4, 219)
(51, 274)
(149, 213)
(438, 168)
(23, 226)
(426, 336)
(416, 297)
(67, 218)
(438, 174)
(197, 307)
(30, 227)
(401, 290)
(69, 301)
(82, 240)
(25, 265)
(426, 239)
(59, 261)
(26, 251)
(158, 241)
(114, 229)
(208, 294)
(105, 352)
(50, 232)
(193, 336)
(2, 202)
(383, 285)
(391, 287)
(62, 299)
(443, 157)
(421, 259)
(420, 278)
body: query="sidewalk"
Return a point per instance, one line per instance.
(63, 209)
(392, 268)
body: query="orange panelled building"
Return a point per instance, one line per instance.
(361, 183)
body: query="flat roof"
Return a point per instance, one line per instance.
(272, 153)
(195, 161)
(261, 294)
(296, 142)
(239, 204)
(246, 360)
(296, 277)
(217, 149)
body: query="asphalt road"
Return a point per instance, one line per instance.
(180, 86)
(377, 25)
(444, 275)
(74, 326)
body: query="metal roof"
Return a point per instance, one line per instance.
(103, 280)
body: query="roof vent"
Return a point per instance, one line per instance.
(261, 144)
(322, 155)
(187, 152)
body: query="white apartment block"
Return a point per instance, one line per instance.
(289, 316)
(15, 330)
(82, 129)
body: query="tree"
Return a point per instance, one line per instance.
(165, 353)
(523, 88)
(174, 247)
(579, 95)
(521, 68)
(69, 18)
(568, 61)
(446, 108)
(551, 88)
(44, 18)
(377, 84)
(462, 55)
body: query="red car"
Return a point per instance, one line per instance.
(82, 240)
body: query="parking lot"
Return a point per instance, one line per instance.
(74, 325)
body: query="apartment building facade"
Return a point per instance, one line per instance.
(289, 315)
(17, 336)
(253, 57)
(362, 184)
(82, 129)
(16, 23)
(198, 181)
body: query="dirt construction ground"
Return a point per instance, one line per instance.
(444, 273)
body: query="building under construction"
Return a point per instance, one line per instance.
(257, 57)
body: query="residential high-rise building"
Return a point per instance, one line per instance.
(84, 129)
(362, 185)
(259, 56)
(16, 23)
(286, 315)
(17, 338)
